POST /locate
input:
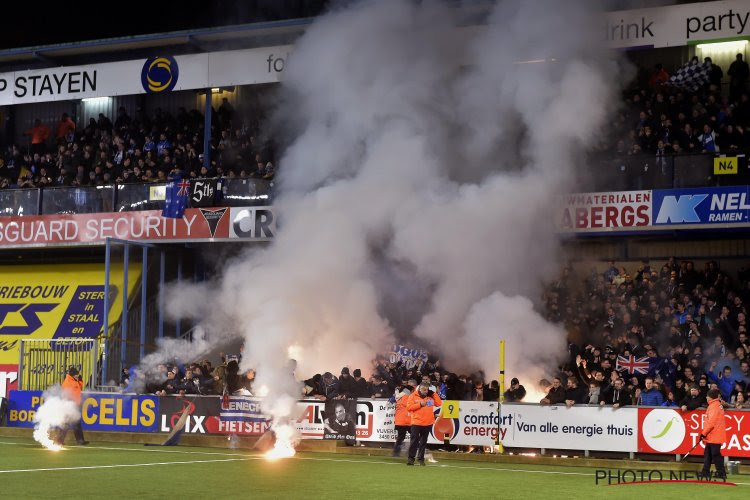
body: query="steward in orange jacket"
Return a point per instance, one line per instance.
(403, 417)
(714, 435)
(71, 389)
(421, 405)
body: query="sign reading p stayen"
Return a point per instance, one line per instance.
(153, 75)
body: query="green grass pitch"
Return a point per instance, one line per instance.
(116, 470)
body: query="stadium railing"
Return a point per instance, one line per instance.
(126, 197)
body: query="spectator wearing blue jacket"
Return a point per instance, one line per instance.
(725, 381)
(670, 402)
(650, 396)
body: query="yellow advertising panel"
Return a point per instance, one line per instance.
(57, 301)
(725, 165)
(449, 409)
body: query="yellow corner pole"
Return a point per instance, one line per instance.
(501, 395)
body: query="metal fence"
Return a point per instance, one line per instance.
(44, 362)
(121, 197)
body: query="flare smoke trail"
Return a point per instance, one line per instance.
(55, 412)
(424, 165)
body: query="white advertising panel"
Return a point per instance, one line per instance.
(577, 428)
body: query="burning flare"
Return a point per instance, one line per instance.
(286, 438)
(56, 412)
(41, 434)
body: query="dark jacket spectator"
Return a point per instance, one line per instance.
(515, 393)
(556, 394)
(347, 386)
(617, 395)
(361, 388)
(329, 386)
(693, 401)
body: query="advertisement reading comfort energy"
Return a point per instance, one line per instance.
(55, 301)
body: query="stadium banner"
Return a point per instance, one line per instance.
(53, 301)
(256, 223)
(99, 411)
(162, 74)
(667, 430)
(577, 428)
(410, 356)
(694, 208)
(8, 378)
(676, 25)
(603, 212)
(214, 415)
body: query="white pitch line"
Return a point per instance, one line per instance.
(123, 465)
(318, 459)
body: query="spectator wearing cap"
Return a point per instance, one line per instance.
(516, 392)
(421, 406)
(347, 386)
(72, 388)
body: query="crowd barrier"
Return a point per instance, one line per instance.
(234, 192)
(529, 426)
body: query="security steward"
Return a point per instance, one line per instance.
(72, 387)
(421, 405)
(403, 418)
(714, 435)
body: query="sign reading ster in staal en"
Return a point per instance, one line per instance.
(607, 211)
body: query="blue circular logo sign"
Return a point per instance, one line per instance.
(159, 74)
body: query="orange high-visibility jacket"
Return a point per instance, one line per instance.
(715, 427)
(72, 389)
(422, 415)
(402, 414)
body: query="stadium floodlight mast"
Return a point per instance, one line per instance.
(501, 395)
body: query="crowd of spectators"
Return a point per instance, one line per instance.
(136, 149)
(387, 377)
(687, 327)
(660, 119)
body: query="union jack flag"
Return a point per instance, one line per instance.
(184, 186)
(632, 365)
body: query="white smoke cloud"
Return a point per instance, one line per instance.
(421, 151)
(56, 412)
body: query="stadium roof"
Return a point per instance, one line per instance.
(176, 42)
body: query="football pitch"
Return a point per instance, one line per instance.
(116, 470)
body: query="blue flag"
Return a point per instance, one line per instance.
(176, 197)
(664, 368)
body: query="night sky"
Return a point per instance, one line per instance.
(73, 21)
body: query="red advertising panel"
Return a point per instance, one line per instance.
(147, 225)
(8, 379)
(670, 430)
(597, 212)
